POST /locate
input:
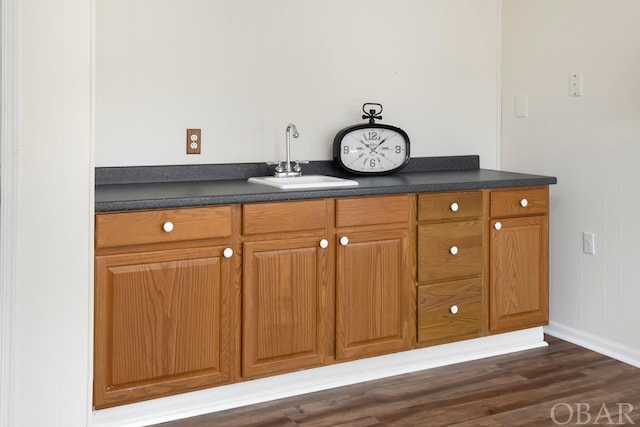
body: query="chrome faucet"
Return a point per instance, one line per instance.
(290, 127)
(286, 169)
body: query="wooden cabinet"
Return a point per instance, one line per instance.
(373, 276)
(519, 259)
(164, 318)
(291, 280)
(450, 294)
(192, 298)
(286, 287)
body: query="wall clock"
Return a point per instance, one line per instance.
(371, 148)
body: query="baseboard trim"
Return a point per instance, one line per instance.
(312, 380)
(598, 344)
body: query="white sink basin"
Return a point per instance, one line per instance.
(303, 182)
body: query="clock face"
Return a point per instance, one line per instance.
(373, 150)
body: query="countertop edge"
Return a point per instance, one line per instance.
(514, 180)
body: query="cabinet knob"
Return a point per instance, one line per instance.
(497, 225)
(454, 207)
(167, 226)
(344, 240)
(453, 250)
(524, 203)
(454, 309)
(227, 253)
(324, 243)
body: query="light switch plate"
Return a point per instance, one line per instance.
(589, 243)
(522, 106)
(575, 84)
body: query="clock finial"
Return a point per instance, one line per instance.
(373, 114)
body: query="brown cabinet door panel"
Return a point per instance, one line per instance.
(166, 319)
(162, 323)
(283, 295)
(519, 277)
(372, 294)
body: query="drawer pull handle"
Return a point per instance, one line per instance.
(524, 203)
(454, 309)
(167, 226)
(453, 250)
(324, 243)
(497, 225)
(344, 240)
(454, 207)
(227, 253)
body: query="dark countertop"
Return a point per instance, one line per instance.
(182, 188)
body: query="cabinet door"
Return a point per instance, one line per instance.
(519, 275)
(284, 299)
(372, 293)
(163, 323)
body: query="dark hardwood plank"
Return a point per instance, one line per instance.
(520, 389)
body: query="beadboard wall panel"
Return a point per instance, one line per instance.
(591, 143)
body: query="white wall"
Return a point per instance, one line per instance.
(544, 41)
(53, 308)
(242, 70)
(52, 311)
(592, 144)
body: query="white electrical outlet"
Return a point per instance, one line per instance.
(589, 243)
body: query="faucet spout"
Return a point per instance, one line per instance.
(291, 131)
(286, 170)
(292, 127)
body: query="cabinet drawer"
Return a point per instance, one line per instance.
(521, 201)
(453, 205)
(449, 310)
(162, 226)
(449, 250)
(372, 210)
(284, 216)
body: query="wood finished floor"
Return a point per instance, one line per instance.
(518, 389)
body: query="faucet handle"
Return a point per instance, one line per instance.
(278, 165)
(297, 167)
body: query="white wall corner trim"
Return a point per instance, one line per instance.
(595, 343)
(9, 157)
(498, 164)
(312, 380)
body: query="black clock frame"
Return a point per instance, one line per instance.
(337, 143)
